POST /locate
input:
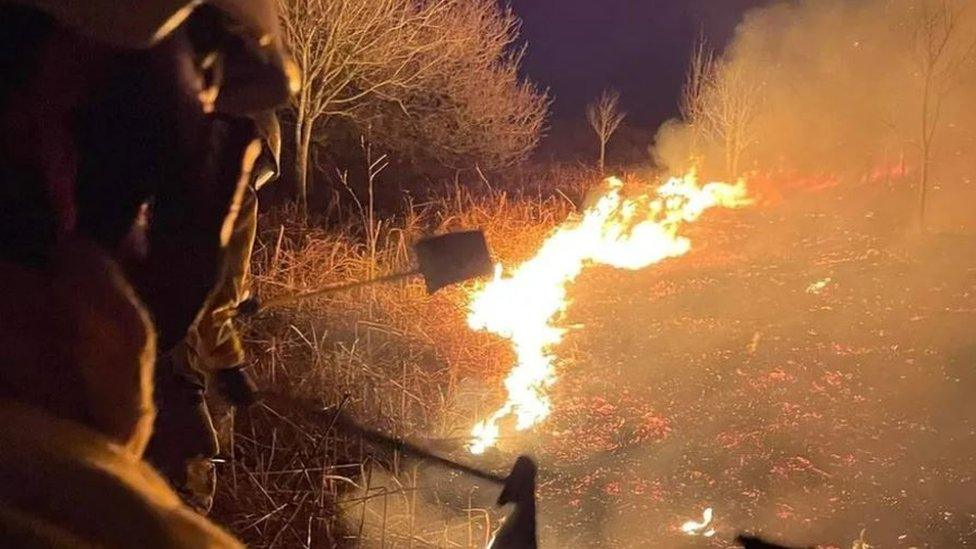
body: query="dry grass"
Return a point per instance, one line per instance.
(389, 356)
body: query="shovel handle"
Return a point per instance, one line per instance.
(342, 421)
(252, 306)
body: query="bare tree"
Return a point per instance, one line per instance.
(733, 104)
(605, 116)
(348, 50)
(694, 95)
(721, 102)
(475, 109)
(373, 61)
(942, 50)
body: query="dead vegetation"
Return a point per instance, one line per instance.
(792, 378)
(389, 356)
(436, 81)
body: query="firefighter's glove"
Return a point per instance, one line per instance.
(236, 385)
(249, 307)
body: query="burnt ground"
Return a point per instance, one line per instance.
(723, 379)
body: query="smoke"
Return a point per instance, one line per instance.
(839, 91)
(422, 506)
(707, 384)
(719, 380)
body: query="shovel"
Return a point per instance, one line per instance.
(514, 484)
(442, 260)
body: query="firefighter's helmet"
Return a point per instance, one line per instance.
(257, 75)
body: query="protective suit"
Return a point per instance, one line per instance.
(111, 110)
(211, 357)
(214, 340)
(67, 486)
(74, 425)
(214, 343)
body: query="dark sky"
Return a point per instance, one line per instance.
(640, 47)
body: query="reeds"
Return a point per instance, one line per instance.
(390, 356)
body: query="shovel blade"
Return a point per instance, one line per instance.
(452, 258)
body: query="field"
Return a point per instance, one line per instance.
(805, 371)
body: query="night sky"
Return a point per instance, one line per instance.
(641, 47)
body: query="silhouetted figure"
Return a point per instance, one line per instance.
(125, 146)
(518, 532)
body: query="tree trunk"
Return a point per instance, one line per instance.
(693, 149)
(734, 166)
(923, 185)
(729, 154)
(303, 151)
(301, 162)
(603, 155)
(923, 171)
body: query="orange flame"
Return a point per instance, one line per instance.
(703, 528)
(624, 232)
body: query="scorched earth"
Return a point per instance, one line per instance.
(807, 371)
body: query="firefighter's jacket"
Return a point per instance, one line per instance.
(213, 342)
(64, 485)
(77, 350)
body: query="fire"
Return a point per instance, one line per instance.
(695, 528)
(628, 232)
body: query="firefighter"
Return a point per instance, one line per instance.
(185, 441)
(126, 145)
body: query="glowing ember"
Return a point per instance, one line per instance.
(818, 286)
(695, 528)
(624, 232)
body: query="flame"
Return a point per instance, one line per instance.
(624, 232)
(818, 286)
(695, 528)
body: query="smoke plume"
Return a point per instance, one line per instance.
(838, 91)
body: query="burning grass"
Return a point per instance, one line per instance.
(390, 356)
(718, 380)
(627, 232)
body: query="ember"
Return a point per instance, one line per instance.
(818, 286)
